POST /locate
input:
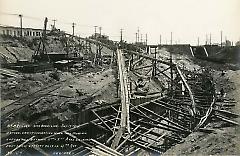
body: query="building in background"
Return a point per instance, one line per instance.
(16, 31)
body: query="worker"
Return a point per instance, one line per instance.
(141, 88)
(140, 83)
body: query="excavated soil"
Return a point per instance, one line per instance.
(225, 140)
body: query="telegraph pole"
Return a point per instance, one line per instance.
(100, 31)
(20, 16)
(225, 40)
(136, 37)
(95, 31)
(146, 39)
(121, 31)
(171, 69)
(210, 39)
(141, 38)
(198, 41)
(73, 26)
(221, 38)
(160, 39)
(54, 22)
(206, 39)
(138, 34)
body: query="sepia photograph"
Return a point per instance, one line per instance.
(120, 77)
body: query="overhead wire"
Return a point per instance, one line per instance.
(61, 23)
(41, 18)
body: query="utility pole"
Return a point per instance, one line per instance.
(146, 39)
(210, 39)
(100, 31)
(54, 22)
(221, 38)
(136, 37)
(206, 39)
(171, 68)
(154, 63)
(95, 31)
(138, 34)
(73, 26)
(21, 25)
(160, 39)
(141, 38)
(198, 41)
(121, 31)
(225, 40)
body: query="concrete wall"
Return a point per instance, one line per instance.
(218, 54)
(183, 49)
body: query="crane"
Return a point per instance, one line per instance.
(41, 54)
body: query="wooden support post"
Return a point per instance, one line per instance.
(122, 143)
(154, 63)
(125, 101)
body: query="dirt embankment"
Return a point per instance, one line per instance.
(225, 140)
(16, 87)
(12, 50)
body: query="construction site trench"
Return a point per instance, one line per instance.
(104, 98)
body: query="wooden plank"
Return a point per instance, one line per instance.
(189, 90)
(227, 113)
(19, 146)
(167, 127)
(40, 150)
(163, 118)
(122, 143)
(147, 66)
(136, 150)
(226, 120)
(150, 58)
(144, 147)
(102, 120)
(143, 134)
(106, 149)
(125, 100)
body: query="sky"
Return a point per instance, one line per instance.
(186, 19)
